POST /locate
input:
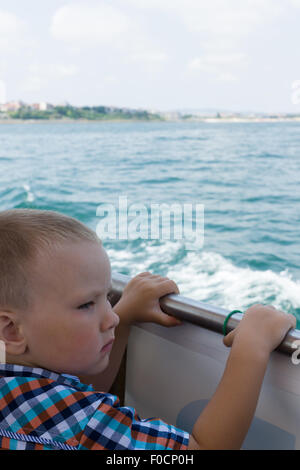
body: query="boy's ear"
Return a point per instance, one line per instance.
(11, 333)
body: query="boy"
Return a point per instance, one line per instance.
(58, 325)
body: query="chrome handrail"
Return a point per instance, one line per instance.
(200, 313)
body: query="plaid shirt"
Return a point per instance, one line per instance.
(43, 410)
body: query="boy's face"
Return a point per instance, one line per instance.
(71, 319)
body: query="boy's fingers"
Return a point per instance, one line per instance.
(228, 339)
(167, 320)
(290, 318)
(167, 287)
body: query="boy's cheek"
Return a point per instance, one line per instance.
(64, 337)
(82, 341)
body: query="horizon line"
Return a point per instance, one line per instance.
(186, 110)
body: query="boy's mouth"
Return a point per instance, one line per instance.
(108, 345)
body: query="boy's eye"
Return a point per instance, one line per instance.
(86, 306)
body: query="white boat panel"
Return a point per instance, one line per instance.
(171, 373)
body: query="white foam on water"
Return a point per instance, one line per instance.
(211, 278)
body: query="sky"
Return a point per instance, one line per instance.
(230, 55)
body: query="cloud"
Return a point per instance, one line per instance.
(149, 56)
(40, 75)
(216, 60)
(55, 71)
(12, 32)
(219, 24)
(232, 17)
(218, 65)
(32, 83)
(227, 77)
(10, 23)
(218, 27)
(2, 92)
(87, 25)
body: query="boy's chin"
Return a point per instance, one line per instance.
(97, 368)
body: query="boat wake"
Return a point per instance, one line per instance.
(210, 277)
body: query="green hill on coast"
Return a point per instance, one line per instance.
(91, 113)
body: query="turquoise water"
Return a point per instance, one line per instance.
(245, 174)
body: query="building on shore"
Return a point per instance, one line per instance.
(12, 106)
(42, 106)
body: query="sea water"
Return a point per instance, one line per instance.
(246, 175)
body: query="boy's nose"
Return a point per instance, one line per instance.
(111, 320)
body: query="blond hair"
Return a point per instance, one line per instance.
(24, 233)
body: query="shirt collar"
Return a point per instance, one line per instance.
(13, 370)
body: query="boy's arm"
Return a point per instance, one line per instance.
(225, 421)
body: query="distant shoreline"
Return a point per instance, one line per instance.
(204, 119)
(70, 121)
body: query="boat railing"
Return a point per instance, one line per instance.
(193, 311)
(200, 313)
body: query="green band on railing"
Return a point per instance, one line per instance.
(227, 318)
